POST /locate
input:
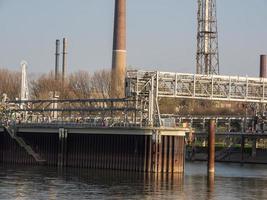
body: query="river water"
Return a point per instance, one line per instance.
(232, 181)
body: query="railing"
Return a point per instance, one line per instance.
(76, 125)
(196, 86)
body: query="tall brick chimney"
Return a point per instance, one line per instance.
(119, 50)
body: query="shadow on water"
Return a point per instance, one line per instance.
(229, 182)
(119, 183)
(51, 183)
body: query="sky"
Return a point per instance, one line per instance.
(161, 34)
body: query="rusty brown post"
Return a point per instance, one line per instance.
(211, 148)
(119, 50)
(211, 184)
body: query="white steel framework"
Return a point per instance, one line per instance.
(207, 56)
(197, 86)
(149, 86)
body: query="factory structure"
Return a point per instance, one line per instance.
(128, 131)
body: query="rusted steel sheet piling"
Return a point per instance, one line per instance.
(61, 147)
(211, 148)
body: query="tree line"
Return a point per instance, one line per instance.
(80, 84)
(85, 85)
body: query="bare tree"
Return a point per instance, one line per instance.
(101, 83)
(42, 86)
(10, 83)
(80, 84)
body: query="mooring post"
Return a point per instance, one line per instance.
(211, 183)
(242, 148)
(211, 147)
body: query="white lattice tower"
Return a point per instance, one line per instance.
(207, 38)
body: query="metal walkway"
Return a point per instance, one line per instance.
(141, 105)
(197, 86)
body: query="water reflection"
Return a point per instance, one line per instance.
(230, 182)
(210, 185)
(134, 184)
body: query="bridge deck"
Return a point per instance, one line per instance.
(88, 129)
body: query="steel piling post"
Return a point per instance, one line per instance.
(211, 148)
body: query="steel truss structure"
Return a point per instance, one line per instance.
(140, 107)
(98, 112)
(196, 86)
(152, 85)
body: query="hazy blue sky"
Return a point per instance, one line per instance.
(161, 34)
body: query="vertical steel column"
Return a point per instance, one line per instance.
(65, 143)
(151, 104)
(89, 153)
(145, 154)
(154, 150)
(211, 147)
(159, 152)
(120, 152)
(176, 157)
(60, 147)
(171, 153)
(165, 153)
(149, 154)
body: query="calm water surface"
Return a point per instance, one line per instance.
(232, 181)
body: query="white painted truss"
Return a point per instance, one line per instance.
(197, 86)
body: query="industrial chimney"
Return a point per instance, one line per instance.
(263, 66)
(119, 50)
(64, 59)
(57, 54)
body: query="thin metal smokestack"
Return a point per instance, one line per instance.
(263, 66)
(64, 59)
(119, 50)
(57, 54)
